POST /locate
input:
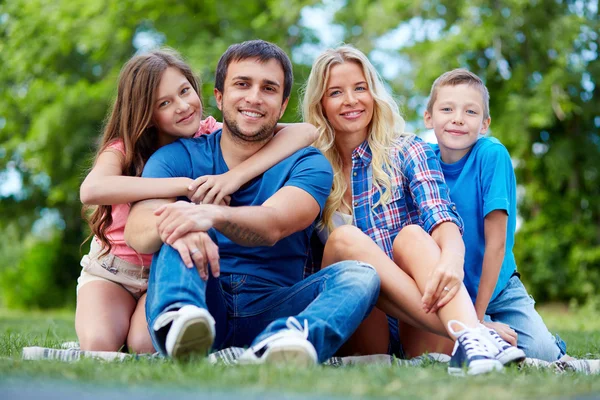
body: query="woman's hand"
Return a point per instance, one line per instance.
(443, 283)
(213, 189)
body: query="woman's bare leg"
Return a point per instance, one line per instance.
(138, 339)
(103, 313)
(417, 253)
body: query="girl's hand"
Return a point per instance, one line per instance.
(213, 189)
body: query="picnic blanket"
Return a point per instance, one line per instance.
(229, 356)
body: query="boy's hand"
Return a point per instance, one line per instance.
(175, 220)
(505, 331)
(213, 189)
(443, 284)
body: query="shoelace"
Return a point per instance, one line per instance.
(471, 344)
(503, 343)
(293, 324)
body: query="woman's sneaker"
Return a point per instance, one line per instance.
(192, 331)
(506, 353)
(472, 352)
(288, 346)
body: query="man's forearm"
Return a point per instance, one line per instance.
(140, 231)
(251, 226)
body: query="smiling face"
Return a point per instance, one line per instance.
(177, 109)
(347, 102)
(252, 99)
(457, 119)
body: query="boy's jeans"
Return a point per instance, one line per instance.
(514, 307)
(248, 309)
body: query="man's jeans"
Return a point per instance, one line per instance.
(514, 307)
(248, 309)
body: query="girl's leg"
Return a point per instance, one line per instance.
(399, 295)
(103, 313)
(416, 341)
(138, 339)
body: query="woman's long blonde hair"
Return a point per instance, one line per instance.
(385, 132)
(131, 121)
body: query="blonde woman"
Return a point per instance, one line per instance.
(390, 207)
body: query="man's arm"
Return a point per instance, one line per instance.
(140, 231)
(289, 210)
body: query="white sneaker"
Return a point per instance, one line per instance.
(288, 346)
(192, 331)
(506, 353)
(473, 350)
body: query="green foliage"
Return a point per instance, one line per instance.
(539, 60)
(60, 60)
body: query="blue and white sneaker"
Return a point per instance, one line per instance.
(288, 346)
(192, 331)
(473, 352)
(506, 353)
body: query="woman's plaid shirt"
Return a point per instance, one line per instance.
(420, 196)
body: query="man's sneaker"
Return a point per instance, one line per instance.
(192, 331)
(472, 351)
(506, 353)
(288, 346)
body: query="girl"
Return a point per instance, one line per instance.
(390, 207)
(157, 103)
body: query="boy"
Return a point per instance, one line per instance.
(479, 173)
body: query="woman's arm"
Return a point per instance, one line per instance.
(106, 185)
(495, 246)
(291, 138)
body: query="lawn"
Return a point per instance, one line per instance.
(161, 378)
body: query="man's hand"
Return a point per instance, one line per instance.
(505, 331)
(177, 219)
(443, 283)
(197, 248)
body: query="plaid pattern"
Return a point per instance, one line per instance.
(420, 196)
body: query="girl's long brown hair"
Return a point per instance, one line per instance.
(131, 121)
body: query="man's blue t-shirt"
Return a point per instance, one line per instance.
(481, 182)
(307, 169)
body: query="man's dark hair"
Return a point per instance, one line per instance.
(261, 50)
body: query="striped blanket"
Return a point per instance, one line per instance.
(229, 356)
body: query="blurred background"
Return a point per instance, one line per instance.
(59, 62)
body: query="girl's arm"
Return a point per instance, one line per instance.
(289, 139)
(106, 185)
(495, 243)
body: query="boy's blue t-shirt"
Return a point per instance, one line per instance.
(481, 182)
(282, 264)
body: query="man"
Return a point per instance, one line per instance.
(257, 246)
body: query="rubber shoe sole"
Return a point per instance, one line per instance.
(194, 338)
(511, 355)
(477, 368)
(292, 352)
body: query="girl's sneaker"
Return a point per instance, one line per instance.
(506, 353)
(473, 352)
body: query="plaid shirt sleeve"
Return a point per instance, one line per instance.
(428, 187)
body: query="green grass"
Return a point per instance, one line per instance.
(581, 330)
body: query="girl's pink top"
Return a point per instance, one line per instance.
(120, 212)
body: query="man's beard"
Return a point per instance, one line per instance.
(263, 133)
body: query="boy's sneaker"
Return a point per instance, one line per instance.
(506, 353)
(192, 331)
(472, 351)
(288, 346)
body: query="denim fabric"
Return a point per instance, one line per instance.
(248, 309)
(514, 307)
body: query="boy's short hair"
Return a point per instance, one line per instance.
(263, 51)
(456, 77)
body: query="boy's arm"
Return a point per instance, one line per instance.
(140, 230)
(211, 189)
(106, 185)
(493, 257)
